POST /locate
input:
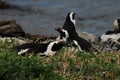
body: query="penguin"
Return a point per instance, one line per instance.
(42, 49)
(116, 26)
(69, 26)
(65, 36)
(115, 34)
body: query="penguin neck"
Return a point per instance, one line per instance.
(58, 46)
(73, 35)
(68, 25)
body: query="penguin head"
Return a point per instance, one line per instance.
(117, 25)
(71, 17)
(69, 23)
(63, 33)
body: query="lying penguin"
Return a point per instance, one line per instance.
(42, 49)
(115, 34)
(116, 27)
(111, 38)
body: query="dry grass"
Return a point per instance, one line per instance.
(82, 65)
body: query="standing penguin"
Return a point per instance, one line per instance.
(69, 26)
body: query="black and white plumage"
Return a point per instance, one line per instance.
(115, 34)
(111, 38)
(64, 35)
(117, 25)
(47, 49)
(69, 26)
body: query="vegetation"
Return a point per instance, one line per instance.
(65, 65)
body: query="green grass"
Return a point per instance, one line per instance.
(65, 65)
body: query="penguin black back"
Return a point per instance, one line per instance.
(47, 49)
(84, 44)
(33, 46)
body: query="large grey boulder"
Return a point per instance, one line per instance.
(88, 36)
(9, 28)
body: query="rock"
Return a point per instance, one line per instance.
(9, 28)
(88, 36)
(112, 45)
(35, 37)
(38, 38)
(8, 21)
(4, 5)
